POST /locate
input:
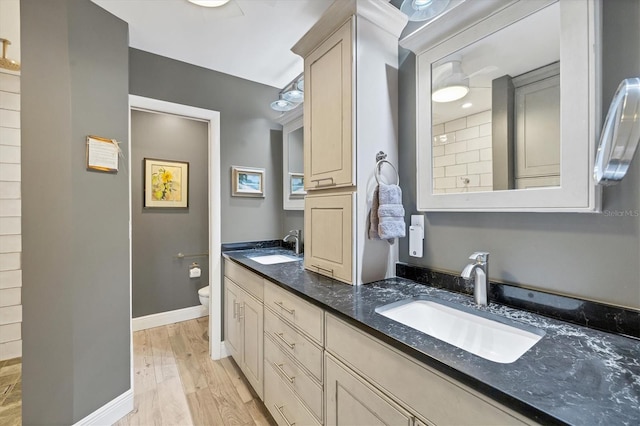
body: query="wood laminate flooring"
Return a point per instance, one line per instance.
(177, 383)
(11, 392)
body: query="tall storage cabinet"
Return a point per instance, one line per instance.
(328, 104)
(350, 114)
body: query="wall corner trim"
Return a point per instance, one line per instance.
(111, 412)
(169, 317)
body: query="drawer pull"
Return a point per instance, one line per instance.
(281, 305)
(240, 311)
(235, 309)
(317, 181)
(323, 269)
(281, 337)
(284, 373)
(279, 409)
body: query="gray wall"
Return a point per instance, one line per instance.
(592, 256)
(248, 135)
(75, 223)
(160, 281)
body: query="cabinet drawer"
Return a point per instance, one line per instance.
(282, 403)
(302, 314)
(294, 376)
(434, 397)
(293, 343)
(246, 279)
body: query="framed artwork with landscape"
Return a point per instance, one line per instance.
(296, 180)
(166, 183)
(247, 182)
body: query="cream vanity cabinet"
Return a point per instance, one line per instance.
(328, 235)
(350, 61)
(243, 322)
(384, 386)
(293, 363)
(328, 145)
(352, 401)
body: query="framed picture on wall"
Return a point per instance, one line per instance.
(296, 182)
(247, 182)
(166, 183)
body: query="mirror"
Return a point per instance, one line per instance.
(495, 108)
(293, 165)
(503, 123)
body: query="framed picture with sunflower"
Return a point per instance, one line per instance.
(166, 183)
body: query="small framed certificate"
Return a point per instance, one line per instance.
(102, 154)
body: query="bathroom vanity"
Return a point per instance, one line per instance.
(326, 347)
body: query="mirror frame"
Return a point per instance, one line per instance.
(580, 117)
(289, 203)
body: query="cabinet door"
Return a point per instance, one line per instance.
(352, 401)
(252, 343)
(231, 318)
(537, 113)
(328, 229)
(328, 112)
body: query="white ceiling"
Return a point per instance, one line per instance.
(250, 39)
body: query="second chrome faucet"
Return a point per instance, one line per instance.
(296, 234)
(481, 277)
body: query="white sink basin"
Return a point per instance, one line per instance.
(488, 338)
(272, 259)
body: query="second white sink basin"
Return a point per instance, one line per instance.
(474, 332)
(272, 259)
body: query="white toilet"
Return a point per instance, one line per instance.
(203, 295)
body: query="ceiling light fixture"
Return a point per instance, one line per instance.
(209, 3)
(5, 62)
(283, 105)
(422, 10)
(291, 96)
(449, 82)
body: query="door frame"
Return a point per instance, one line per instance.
(139, 103)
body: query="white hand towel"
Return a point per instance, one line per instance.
(387, 213)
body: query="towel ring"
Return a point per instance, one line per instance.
(379, 166)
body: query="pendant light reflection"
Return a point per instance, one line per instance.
(450, 83)
(422, 10)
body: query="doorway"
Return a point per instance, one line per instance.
(142, 107)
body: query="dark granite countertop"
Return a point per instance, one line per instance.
(573, 375)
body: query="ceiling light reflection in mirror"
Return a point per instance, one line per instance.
(517, 67)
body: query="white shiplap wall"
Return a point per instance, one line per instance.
(10, 218)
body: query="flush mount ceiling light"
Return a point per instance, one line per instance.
(209, 3)
(422, 10)
(449, 82)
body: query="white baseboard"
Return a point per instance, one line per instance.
(170, 317)
(224, 352)
(111, 412)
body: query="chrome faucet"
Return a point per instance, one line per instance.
(296, 234)
(481, 279)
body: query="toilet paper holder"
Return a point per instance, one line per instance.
(194, 270)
